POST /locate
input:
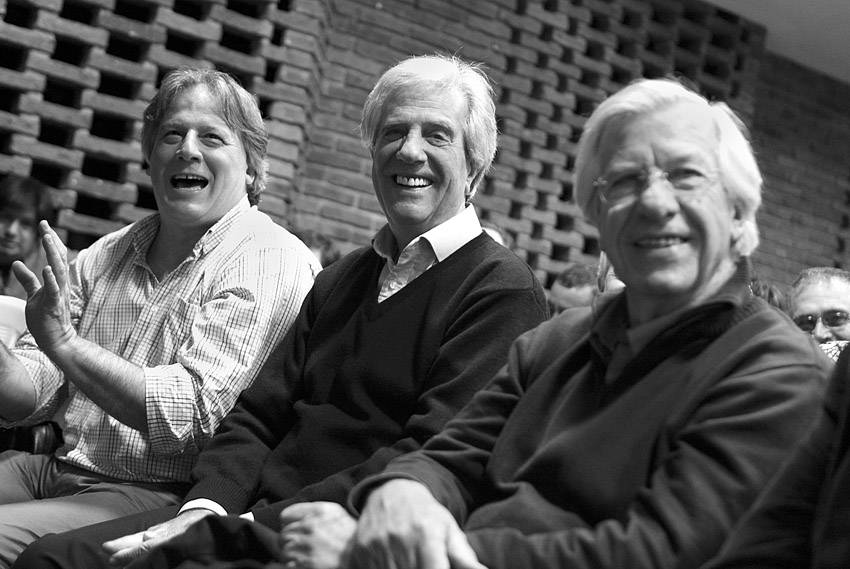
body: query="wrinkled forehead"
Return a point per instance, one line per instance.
(428, 96)
(817, 296)
(678, 130)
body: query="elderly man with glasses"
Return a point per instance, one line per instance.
(632, 434)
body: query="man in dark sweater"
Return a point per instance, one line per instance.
(390, 343)
(801, 518)
(631, 434)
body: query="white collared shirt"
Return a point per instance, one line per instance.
(423, 252)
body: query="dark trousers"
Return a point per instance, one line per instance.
(213, 543)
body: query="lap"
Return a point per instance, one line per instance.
(40, 495)
(217, 543)
(81, 547)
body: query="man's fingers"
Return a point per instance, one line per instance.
(131, 540)
(306, 510)
(26, 277)
(125, 556)
(56, 257)
(460, 553)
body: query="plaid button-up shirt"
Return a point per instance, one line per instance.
(201, 335)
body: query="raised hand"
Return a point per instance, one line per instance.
(48, 308)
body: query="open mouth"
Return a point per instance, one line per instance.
(189, 182)
(412, 182)
(660, 242)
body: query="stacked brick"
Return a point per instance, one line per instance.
(801, 127)
(552, 62)
(75, 76)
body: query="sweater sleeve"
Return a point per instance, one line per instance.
(474, 347)
(777, 531)
(228, 469)
(733, 440)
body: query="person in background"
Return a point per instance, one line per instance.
(819, 303)
(152, 333)
(324, 249)
(498, 234)
(391, 342)
(576, 285)
(606, 279)
(630, 435)
(769, 292)
(23, 202)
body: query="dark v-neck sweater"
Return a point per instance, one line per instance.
(357, 382)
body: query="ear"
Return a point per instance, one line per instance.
(739, 226)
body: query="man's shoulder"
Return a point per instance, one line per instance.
(350, 263)
(488, 262)
(118, 241)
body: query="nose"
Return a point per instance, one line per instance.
(822, 333)
(189, 149)
(658, 200)
(13, 227)
(411, 149)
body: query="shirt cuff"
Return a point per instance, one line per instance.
(203, 504)
(248, 516)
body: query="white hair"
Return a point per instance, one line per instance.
(739, 173)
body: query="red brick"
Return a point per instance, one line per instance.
(208, 30)
(102, 189)
(133, 29)
(33, 103)
(23, 124)
(23, 37)
(91, 35)
(58, 156)
(66, 72)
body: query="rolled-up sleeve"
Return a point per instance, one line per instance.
(231, 334)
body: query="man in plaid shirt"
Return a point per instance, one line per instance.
(150, 336)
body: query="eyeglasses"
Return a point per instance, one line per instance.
(830, 319)
(618, 188)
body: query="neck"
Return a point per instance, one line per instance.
(645, 308)
(171, 246)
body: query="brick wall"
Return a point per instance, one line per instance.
(801, 129)
(76, 74)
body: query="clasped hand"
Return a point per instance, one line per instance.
(48, 310)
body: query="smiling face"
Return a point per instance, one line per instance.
(419, 167)
(817, 297)
(671, 249)
(198, 165)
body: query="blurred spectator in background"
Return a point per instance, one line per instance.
(771, 293)
(606, 279)
(498, 234)
(574, 286)
(819, 303)
(23, 203)
(323, 248)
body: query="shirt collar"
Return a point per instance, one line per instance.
(611, 324)
(445, 238)
(145, 230)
